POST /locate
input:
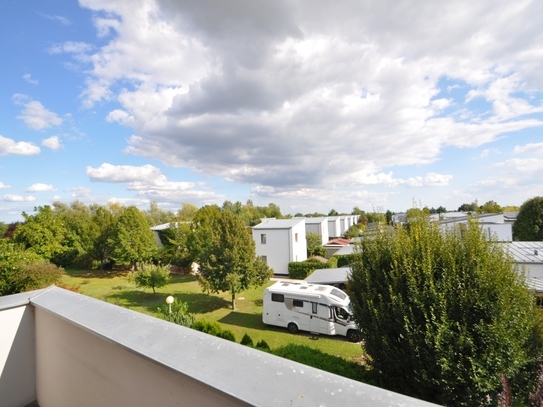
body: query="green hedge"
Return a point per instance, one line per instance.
(300, 270)
(343, 260)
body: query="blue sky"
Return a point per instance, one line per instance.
(309, 105)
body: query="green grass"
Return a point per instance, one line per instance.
(115, 288)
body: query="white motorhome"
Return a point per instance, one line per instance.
(316, 308)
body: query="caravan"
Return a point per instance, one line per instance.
(315, 308)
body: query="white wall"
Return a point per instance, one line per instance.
(17, 357)
(320, 228)
(333, 227)
(281, 246)
(76, 368)
(503, 232)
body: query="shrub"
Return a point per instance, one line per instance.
(300, 270)
(263, 345)
(213, 328)
(444, 315)
(343, 259)
(320, 360)
(179, 313)
(150, 276)
(246, 340)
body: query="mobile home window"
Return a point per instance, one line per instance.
(278, 298)
(314, 307)
(298, 303)
(263, 238)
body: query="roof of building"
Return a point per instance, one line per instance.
(329, 276)
(316, 220)
(344, 250)
(525, 252)
(279, 223)
(337, 242)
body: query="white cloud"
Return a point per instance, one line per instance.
(52, 142)
(34, 114)
(39, 188)
(27, 77)
(11, 147)
(290, 98)
(18, 198)
(533, 148)
(61, 19)
(123, 173)
(148, 181)
(525, 165)
(80, 192)
(4, 186)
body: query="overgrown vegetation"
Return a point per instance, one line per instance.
(443, 316)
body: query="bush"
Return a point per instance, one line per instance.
(443, 316)
(246, 340)
(262, 345)
(300, 270)
(343, 259)
(150, 276)
(320, 360)
(15, 276)
(213, 328)
(179, 313)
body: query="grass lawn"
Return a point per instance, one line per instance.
(115, 288)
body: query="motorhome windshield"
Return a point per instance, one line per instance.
(338, 293)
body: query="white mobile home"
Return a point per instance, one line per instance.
(318, 226)
(297, 305)
(280, 241)
(334, 229)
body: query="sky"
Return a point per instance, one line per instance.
(310, 105)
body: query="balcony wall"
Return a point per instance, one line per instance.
(65, 349)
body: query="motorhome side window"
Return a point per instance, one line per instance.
(298, 303)
(278, 298)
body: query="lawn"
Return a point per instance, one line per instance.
(115, 288)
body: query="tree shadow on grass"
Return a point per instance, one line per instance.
(244, 320)
(198, 303)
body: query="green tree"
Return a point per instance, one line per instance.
(150, 276)
(133, 240)
(201, 233)
(490, 207)
(187, 212)
(42, 233)
(228, 262)
(156, 216)
(444, 315)
(174, 240)
(314, 244)
(102, 245)
(529, 224)
(23, 270)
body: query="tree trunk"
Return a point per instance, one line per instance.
(233, 302)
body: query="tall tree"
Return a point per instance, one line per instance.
(133, 240)
(443, 316)
(228, 263)
(529, 223)
(102, 245)
(490, 207)
(43, 233)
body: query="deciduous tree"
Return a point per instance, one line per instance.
(133, 240)
(443, 316)
(529, 223)
(228, 261)
(150, 276)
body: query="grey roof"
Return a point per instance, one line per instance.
(345, 250)
(535, 284)
(279, 223)
(316, 220)
(329, 276)
(525, 252)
